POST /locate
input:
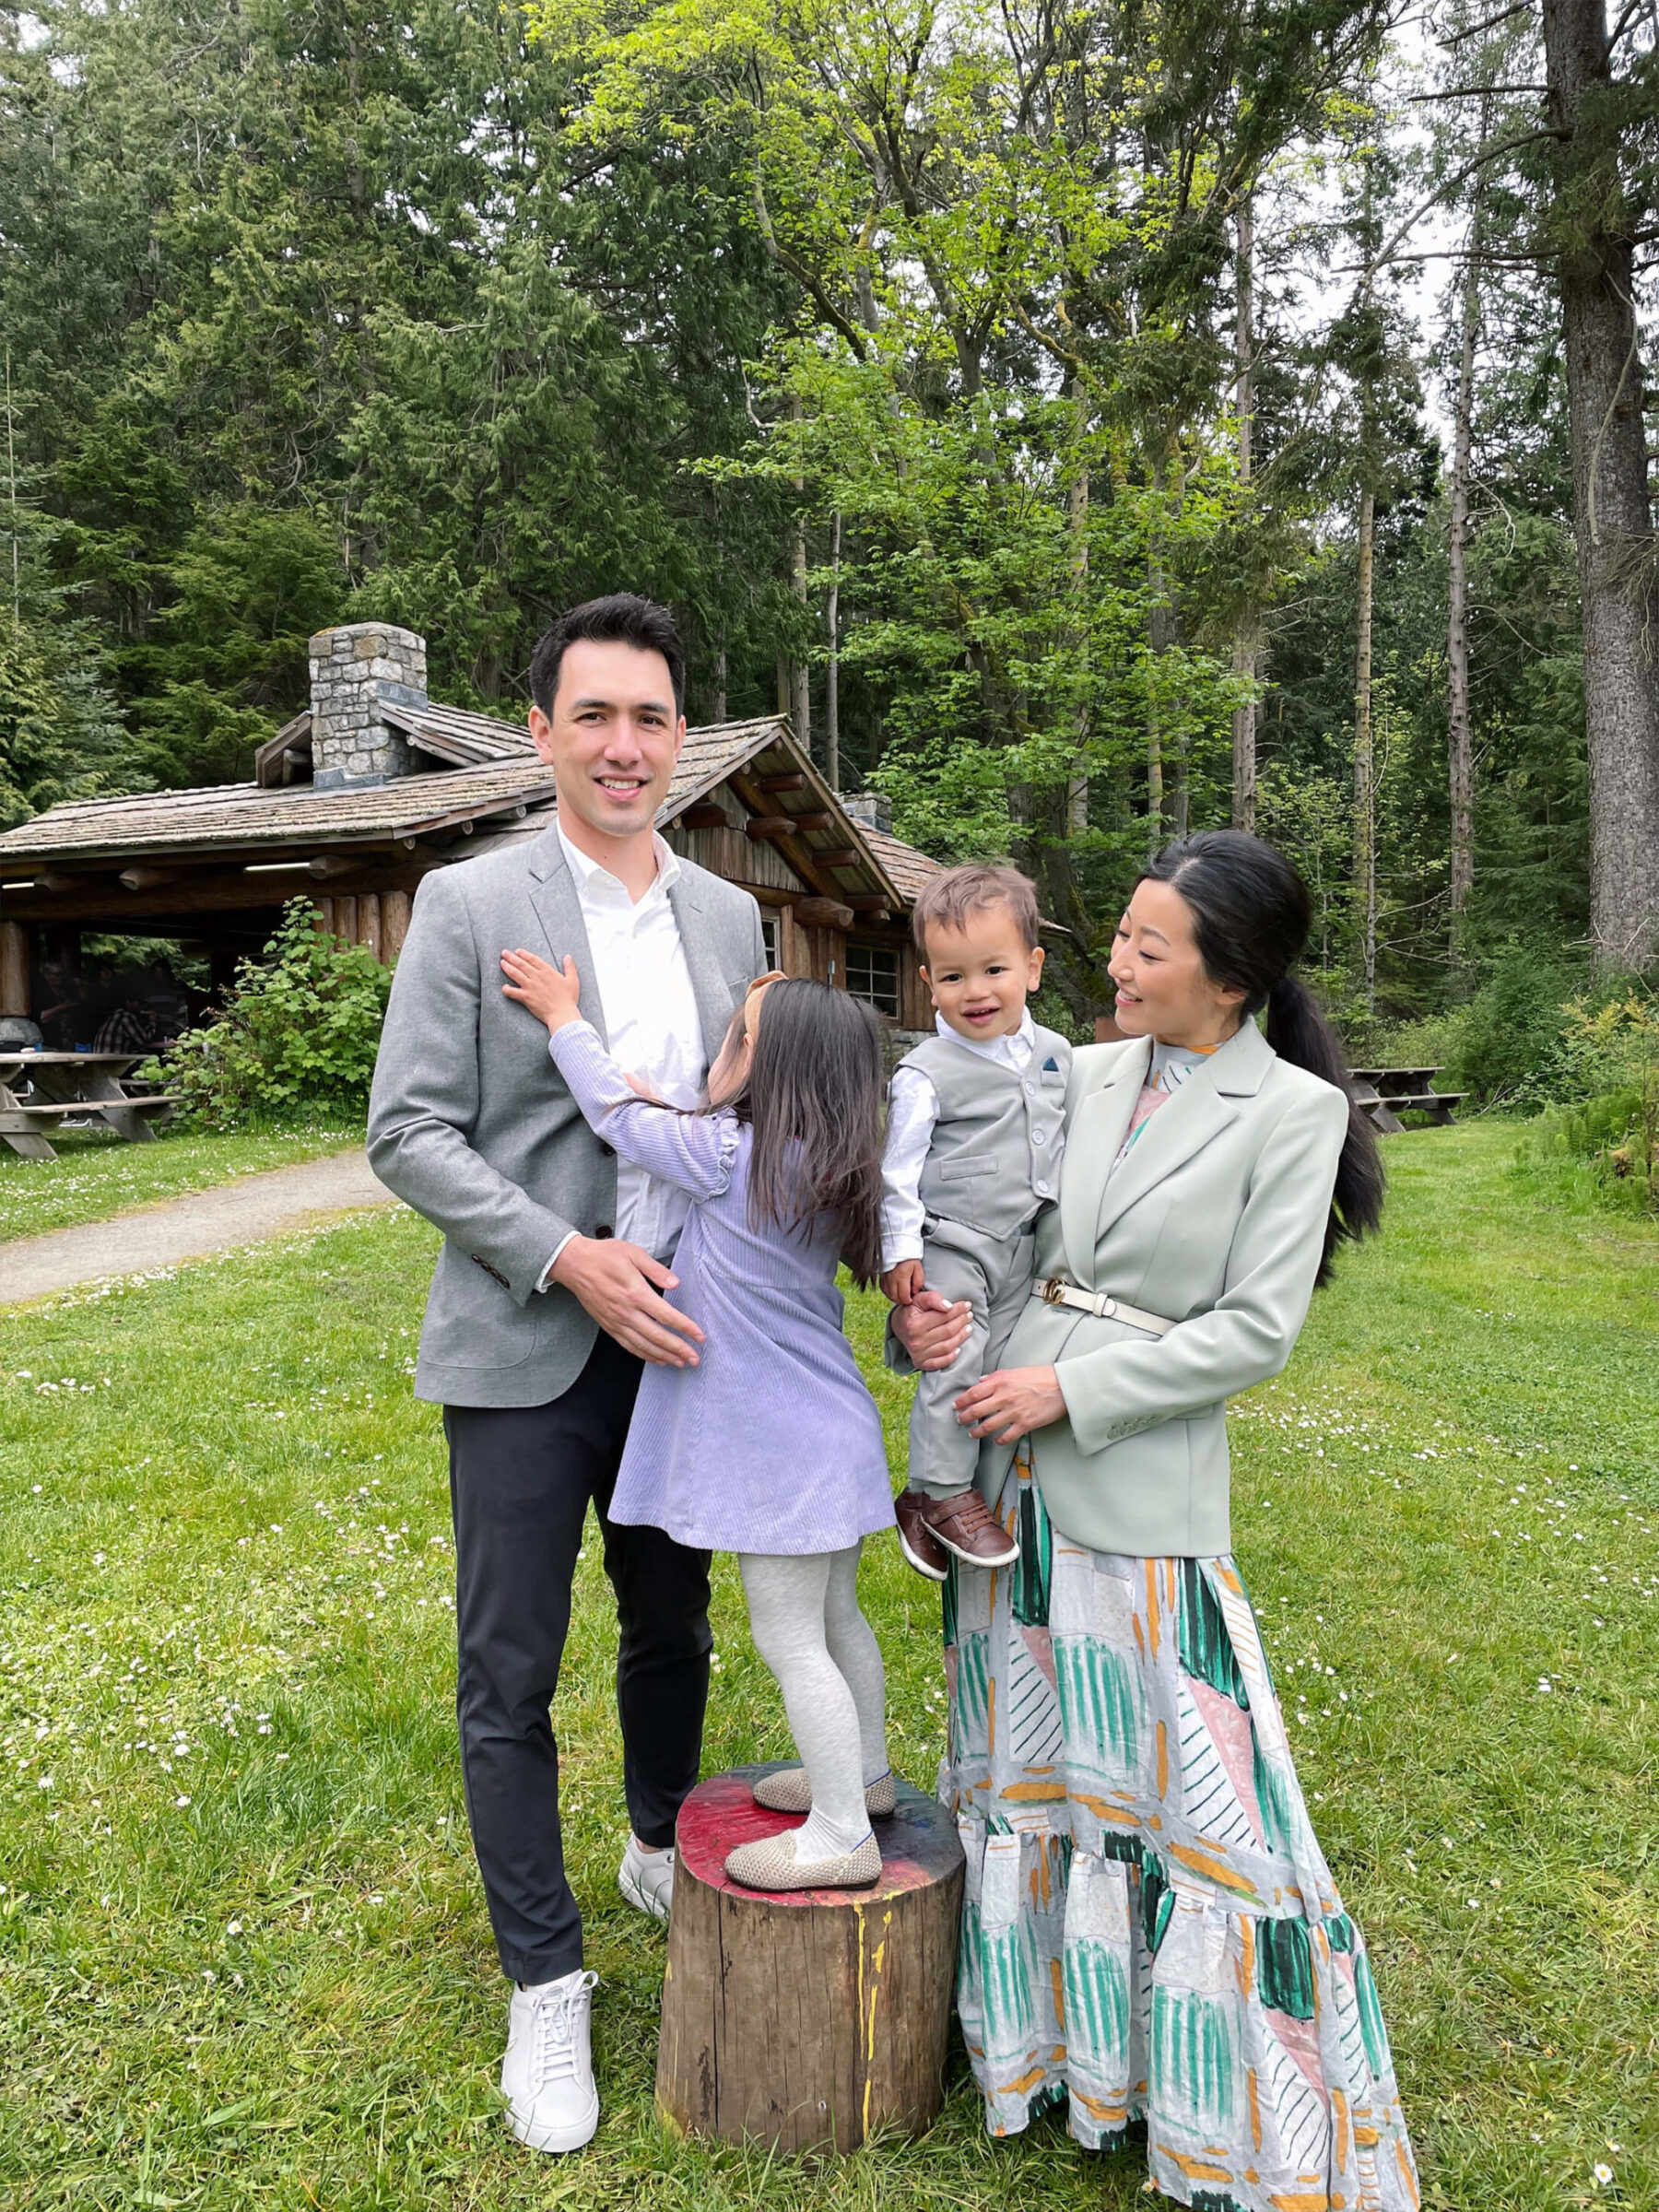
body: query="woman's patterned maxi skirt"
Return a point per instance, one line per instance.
(1150, 1928)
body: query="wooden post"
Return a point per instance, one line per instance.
(369, 922)
(14, 968)
(394, 924)
(809, 2017)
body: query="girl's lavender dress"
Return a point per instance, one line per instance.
(772, 1443)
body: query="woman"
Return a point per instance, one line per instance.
(1151, 1929)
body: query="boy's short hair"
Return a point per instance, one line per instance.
(621, 618)
(952, 897)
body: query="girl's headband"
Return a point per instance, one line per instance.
(752, 997)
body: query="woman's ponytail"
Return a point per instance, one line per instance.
(1251, 916)
(1298, 1032)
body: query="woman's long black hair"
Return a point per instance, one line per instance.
(814, 1099)
(1251, 918)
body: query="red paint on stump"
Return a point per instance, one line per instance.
(919, 1843)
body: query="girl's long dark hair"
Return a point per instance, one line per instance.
(1250, 917)
(814, 1099)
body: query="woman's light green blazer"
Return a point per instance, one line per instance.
(1215, 1220)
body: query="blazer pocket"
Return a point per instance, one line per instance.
(473, 1322)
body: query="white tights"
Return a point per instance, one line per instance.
(804, 1619)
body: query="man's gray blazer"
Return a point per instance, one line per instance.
(470, 1121)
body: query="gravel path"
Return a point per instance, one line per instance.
(183, 1228)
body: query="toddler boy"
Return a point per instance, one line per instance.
(975, 1121)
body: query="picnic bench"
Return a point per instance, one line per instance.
(1385, 1093)
(41, 1090)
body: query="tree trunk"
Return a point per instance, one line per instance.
(1158, 639)
(1365, 765)
(808, 2018)
(1247, 633)
(1076, 790)
(833, 669)
(1459, 756)
(800, 681)
(1611, 507)
(720, 680)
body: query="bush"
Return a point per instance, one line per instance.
(1507, 1042)
(296, 1041)
(1608, 1125)
(1611, 1143)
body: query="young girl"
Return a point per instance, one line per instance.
(770, 1446)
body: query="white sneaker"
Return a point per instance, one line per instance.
(547, 2074)
(646, 1878)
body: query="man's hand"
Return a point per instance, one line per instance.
(901, 1283)
(932, 1332)
(619, 1284)
(1011, 1402)
(551, 996)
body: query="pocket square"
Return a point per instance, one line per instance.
(1050, 1067)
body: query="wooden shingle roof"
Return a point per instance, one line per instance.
(234, 816)
(497, 780)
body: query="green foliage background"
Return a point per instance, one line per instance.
(458, 315)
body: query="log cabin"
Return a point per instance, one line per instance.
(354, 799)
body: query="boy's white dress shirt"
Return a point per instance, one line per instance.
(912, 1109)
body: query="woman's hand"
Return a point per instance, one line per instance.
(551, 996)
(1011, 1402)
(932, 1332)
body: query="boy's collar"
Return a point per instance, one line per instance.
(1026, 1033)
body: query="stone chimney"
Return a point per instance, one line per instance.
(355, 671)
(869, 809)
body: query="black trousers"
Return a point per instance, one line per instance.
(519, 1481)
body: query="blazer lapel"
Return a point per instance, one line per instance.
(1200, 1110)
(709, 986)
(559, 910)
(1099, 1122)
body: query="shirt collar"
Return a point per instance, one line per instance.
(1019, 1044)
(591, 876)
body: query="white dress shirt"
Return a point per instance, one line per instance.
(912, 1109)
(651, 1027)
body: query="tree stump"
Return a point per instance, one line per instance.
(808, 2018)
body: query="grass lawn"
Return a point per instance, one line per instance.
(243, 1955)
(94, 1176)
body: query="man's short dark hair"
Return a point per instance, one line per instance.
(619, 619)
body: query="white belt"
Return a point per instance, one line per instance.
(1054, 1292)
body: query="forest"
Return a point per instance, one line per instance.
(1092, 421)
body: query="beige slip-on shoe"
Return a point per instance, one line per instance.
(771, 1864)
(789, 1791)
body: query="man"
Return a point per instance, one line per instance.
(547, 1295)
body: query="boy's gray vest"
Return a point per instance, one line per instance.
(994, 1163)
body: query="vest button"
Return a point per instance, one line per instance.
(1041, 1189)
(1040, 1136)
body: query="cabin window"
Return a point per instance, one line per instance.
(769, 934)
(873, 975)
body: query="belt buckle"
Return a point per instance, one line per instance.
(1055, 1290)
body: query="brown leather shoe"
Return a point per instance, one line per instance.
(962, 1524)
(916, 1540)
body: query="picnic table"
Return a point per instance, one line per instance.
(71, 1086)
(1384, 1094)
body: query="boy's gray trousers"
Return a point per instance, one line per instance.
(994, 1274)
